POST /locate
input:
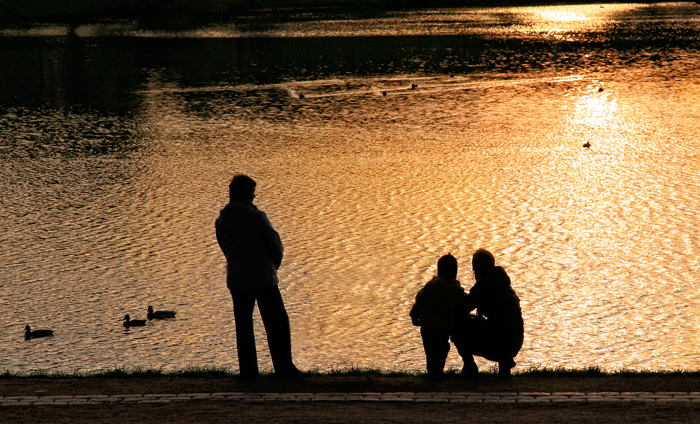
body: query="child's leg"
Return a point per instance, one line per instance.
(436, 344)
(467, 337)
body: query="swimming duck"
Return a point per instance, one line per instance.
(128, 322)
(414, 86)
(29, 334)
(159, 314)
(587, 144)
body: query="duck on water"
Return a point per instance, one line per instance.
(159, 314)
(29, 334)
(128, 322)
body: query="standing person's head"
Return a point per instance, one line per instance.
(242, 187)
(482, 261)
(447, 267)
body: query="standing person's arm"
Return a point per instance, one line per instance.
(226, 234)
(270, 239)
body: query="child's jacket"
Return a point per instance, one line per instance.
(435, 303)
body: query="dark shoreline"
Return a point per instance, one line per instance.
(80, 11)
(213, 382)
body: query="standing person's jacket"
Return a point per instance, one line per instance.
(435, 304)
(253, 248)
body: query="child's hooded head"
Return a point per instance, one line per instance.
(447, 267)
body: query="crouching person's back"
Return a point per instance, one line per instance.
(496, 331)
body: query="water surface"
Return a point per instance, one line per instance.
(117, 142)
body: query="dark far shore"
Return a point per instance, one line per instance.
(75, 11)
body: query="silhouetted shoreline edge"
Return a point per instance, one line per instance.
(213, 381)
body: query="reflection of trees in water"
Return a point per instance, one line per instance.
(106, 73)
(34, 133)
(64, 72)
(51, 89)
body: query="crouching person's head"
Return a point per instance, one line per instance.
(482, 262)
(447, 267)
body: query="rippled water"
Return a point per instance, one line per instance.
(117, 142)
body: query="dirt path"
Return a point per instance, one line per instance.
(227, 411)
(275, 412)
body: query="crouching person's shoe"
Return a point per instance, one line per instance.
(436, 376)
(469, 371)
(504, 367)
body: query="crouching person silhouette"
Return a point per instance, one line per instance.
(434, 312)
(496, 331)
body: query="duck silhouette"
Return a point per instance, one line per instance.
(587, 144)
(128, 322)
(29, 334)
(414, 86)
(159, 314)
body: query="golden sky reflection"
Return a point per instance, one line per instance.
(562, 16)
(560, 242)
(539, 19)
(560, 19)
(368, 190)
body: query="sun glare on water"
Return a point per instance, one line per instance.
(569, 18)
(562, 16)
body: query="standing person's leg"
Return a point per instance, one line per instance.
(279, 339)
(243, 304)
(436, 344)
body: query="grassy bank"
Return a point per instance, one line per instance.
(213, 380)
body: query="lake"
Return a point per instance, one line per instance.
(380, 141)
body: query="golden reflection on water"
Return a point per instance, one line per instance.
(365, 209)
(596, 110)
(540, 19)
(369, 190)
(557, 16)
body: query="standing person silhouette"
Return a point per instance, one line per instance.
(254, 251)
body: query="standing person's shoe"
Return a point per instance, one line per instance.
(291, 372)
(249, 375)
